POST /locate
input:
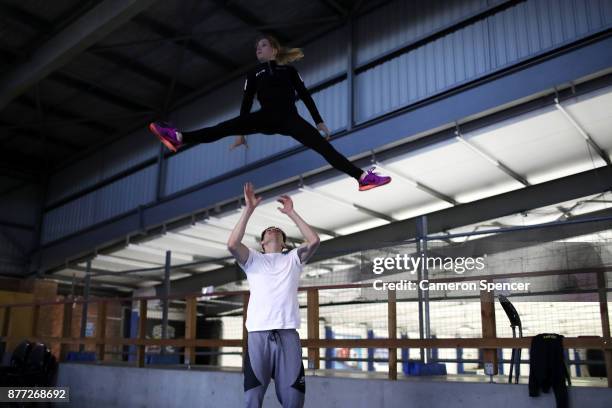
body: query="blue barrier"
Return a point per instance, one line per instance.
(417, 368)
(405, 354)
(370, 352)
(162, 359)
(81, 356)
(577, 363)
(329, 352)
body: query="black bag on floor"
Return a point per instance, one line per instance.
(10, 374)
(32, 365)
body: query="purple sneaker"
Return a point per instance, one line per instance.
(373, 180)
(166, 134)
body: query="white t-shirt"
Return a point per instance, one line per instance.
(273, 281)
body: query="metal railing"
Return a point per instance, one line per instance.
(488, 343)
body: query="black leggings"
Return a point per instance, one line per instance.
(268, 122)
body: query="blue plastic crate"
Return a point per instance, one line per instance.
(162, 359)
(81, 356)
(420, 368)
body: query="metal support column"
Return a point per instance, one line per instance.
(371, 350)
(161, 173)
(85, 304)
(350, 71)
(166, 301)
(423, 295)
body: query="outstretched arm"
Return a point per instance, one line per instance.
(305, 96)
(234, 243)
(308, 248)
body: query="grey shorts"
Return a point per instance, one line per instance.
(274, 354)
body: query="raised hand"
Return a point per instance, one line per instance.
(249, 196)
(287, 203)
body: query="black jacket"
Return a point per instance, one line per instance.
(276, 86)
(547, 367)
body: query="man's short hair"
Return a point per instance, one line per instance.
(274, 228)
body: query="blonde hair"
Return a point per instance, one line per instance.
(284, 54)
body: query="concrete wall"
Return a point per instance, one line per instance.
(105, 386)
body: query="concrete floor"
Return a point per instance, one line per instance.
(93, 385)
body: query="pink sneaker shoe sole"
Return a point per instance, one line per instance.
(169, 145)
(371, 186)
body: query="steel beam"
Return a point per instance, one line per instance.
(488, 157)
(105, 53)
(247, 17)
(335, 5)
(589, 140)
(93, 283)
(15, 130)
(16, 225)
(65, 45)
(27, 164)
(100, 91)
(24, 175)
(140, 68)
(327, 197)
(87, 121)
(190, 44)
(416, 184)
(94, 88)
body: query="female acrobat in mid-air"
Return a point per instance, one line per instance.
(275, 84)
